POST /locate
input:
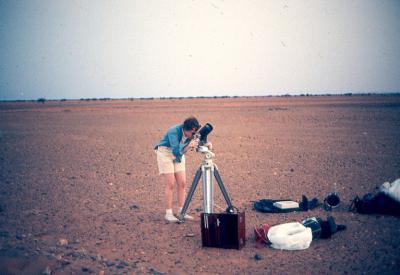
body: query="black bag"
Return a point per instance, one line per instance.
(267, 205)
(375, 204)
(366, 205)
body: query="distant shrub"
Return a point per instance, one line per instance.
(41, 100)
(63, 99)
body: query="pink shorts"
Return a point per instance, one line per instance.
(165, 161)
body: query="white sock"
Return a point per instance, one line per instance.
(168, 211)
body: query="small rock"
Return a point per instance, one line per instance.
(20, 236)
(257, 257)
(189, 235)
(101, 272)
(63, 242)
(46, 271)
(110, 263)
(86, 269)
(153, 271)
(76, 255)
(134, 206)
(124, 263)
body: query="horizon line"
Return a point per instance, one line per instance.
(43, 99)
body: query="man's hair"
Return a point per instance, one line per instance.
(190, 123)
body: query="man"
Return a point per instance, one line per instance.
(171, 162)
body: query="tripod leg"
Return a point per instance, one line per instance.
(190, 195)
(222, 187)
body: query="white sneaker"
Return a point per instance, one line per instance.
(188, 217)
(171, 218)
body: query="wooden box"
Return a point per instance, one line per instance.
(223, 230)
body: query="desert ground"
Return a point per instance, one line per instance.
(80, 191)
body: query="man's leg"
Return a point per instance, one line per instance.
(181, 182)
(169, 180)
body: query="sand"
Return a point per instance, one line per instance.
(80, 191)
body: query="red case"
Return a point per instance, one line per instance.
(223, 230)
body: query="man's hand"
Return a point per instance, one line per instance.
(208, 145)
(194, 143)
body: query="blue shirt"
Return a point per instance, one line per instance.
(173, 139)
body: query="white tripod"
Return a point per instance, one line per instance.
(207, 170)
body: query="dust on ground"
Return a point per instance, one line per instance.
(79, 190)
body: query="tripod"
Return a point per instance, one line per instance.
(206, 170)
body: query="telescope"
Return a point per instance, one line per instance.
(203, 133)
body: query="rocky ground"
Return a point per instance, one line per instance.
(80, 193)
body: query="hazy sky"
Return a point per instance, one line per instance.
(120, 49)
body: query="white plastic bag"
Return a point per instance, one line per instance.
(392, 189)
(290, 236)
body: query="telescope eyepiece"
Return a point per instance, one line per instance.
(203, 133)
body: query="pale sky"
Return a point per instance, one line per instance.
(123, 49)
